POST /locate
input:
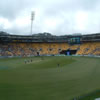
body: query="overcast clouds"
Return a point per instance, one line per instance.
(55, 16)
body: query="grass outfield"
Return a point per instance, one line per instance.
(43, 79)
(95, 95)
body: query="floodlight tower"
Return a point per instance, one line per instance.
(32, 18)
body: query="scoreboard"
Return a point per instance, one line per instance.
(74, 40)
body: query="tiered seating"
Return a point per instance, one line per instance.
(74, 47)
(28, 49)
(89, 48)
(96, 48)
(83, 48)
(25, 49)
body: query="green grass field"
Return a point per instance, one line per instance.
(91, 96)
(43, 79)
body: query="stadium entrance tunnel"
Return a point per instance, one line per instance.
(68, 52)
(38, 54)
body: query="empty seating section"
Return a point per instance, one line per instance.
(89, 48)
(28, 49)
(74, 47)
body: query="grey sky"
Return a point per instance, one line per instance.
(55, 16)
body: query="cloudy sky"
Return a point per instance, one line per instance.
(58, 17)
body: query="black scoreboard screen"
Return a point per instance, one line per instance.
(74, 40)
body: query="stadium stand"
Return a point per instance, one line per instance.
(46, 44)
(89, 48)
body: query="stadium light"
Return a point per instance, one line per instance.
(32, 18)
